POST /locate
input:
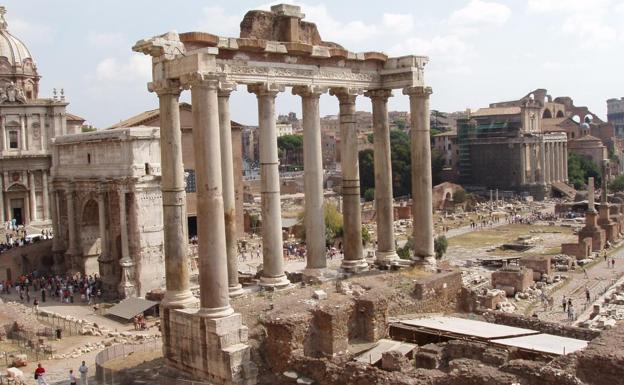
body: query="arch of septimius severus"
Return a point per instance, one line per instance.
(275, 50)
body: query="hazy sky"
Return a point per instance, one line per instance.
(480, 51)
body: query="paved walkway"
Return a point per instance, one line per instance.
(599, 277)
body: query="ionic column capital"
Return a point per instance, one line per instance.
(419, 91)
(265, 89)
(165, 87)
(309, 91)
(346, 95)
(382, 94)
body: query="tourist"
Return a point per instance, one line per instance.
(613, 263)
(36, 305)
(40, 375)
(587, 294)
(585, 272)
(72, 377)
(564, 302)
(83, 369)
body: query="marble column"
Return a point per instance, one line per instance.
(45, 195)
(422, 205)
(314, 219)
(32, 196)
(562, 175)
(5, 145)
(272, 247)
(214, 298)
(542, 162)
(523, 164)
(23, 144)
(565, 162)
(547, 163)
(178, 294)
(57, 240)
(384, 201)
(352, 245)
(102, 224)
(71, 227)
(553, 165)
(2, 218)
(229, 195)
(127, 287)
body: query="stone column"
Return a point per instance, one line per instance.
(542, 163)
(71, 224)
(352, 245)
(2, 217)
(547, 164)
(422, 205)
(24, 144)
(102, 223)
(591, 207)
(553, 165)
(3, 132)
(213, 269)
(523, 164)
(314, 219)
(127, 287)
(178, 294)
(272, 247)
(229, 195)
(45, 195)
(565, 162)
(384, 201)
(562, 174)
(57, 240)
(32, 196)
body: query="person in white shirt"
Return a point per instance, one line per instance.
(83, 369)
(72, 378)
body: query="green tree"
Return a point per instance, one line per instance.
(437, 165)
(369, 194)
(460, 196)
(366, 238)
(440, 244)
(87, 128)
(405, 252)
(333, 224)
(290, 149)
(617, 184)
(580, 169)
(370, 138)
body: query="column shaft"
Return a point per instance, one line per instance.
(272, 247)
(384, 201)
(565, 162)
(71, 223)
(213, 269)
(351, 209)
(422, 206)
(33, 196)
(102, 223)
(229, 195)
(178, 294)
(314, 219)
(127, 286)
(523, 164)
(2, 201)
(45, 195)
(24, 144)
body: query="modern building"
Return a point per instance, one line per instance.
(28, 124)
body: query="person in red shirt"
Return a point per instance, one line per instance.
(40, 375)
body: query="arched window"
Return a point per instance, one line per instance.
(547, 114)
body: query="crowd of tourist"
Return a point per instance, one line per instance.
(61, 288)
(15, 236)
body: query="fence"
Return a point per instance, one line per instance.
(595, 296)
(112, 376)
(30, 343)
(59, 322)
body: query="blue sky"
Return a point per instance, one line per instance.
(481, 51)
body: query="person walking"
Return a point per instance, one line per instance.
(36, 305)
(613, 263)
(84, 370)
(72, 378)
(40, 375)
(587, 294)
(564, 303)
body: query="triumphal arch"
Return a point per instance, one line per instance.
(275, 50)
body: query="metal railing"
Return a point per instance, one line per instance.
(60, 322)
(115, 376)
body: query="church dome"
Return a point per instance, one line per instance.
(17, 66)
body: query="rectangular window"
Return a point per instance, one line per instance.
(13, 143)
(190, 181)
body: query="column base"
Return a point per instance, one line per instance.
(208, 349)
(317, 275)
(354, 266)
(274, 283)
(215, 312)
(236, 291)
(428, 263)
(127, 290)
(183, 299)
(386, 258)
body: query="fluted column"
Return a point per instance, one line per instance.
(178, 293)
(32, 196)
(229, 195)
(45, 195)
(102, 224)
(351, 209)
(384, 201)
(565, 162)
(542, 162)
(127, 287)
(272, 247)
(553, 166)
(523, 166)
(71, 224)
(2, 201)
(562, 175)
(314, 219)
(422, 205)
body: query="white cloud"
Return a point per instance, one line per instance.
(448, 53)
(105, 38)
(403, 23)
(567, 5)
(29, 32)
(112, 72)
(478, 13)
(216, 21)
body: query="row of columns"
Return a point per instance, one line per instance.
(544, 163)
(5, 212)
(213, 157)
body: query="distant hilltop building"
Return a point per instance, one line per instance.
(522, 145)
(615, 115)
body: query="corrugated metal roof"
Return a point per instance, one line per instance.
(130, 307)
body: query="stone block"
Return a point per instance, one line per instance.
(540, 264)
(518, 278)
(394, 361)
(319, 294)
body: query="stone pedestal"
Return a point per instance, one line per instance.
(593, 231)
(608, 225)
(209, 349)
